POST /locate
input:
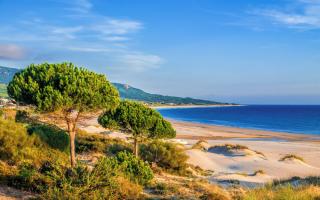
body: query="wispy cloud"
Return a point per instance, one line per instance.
(76, 31)
(89, 49)
(118, 27)
(303, 14)
(11, 52)
(140, 61)
(80, 6)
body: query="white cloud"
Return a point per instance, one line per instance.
(11, 52)
(78, 33)
(141, 62)
(305, 15)
(89, 49)
(67, 32)
(80, 6)
(116, 38)
(117, 27)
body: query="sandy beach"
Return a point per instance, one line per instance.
(192, 106)
(264, 152)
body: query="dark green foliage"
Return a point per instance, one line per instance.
(128, 92)
(29, 178)
(22, 116)
(166, 155)
(137, 119)
(87, 142)
(62, 86)
(119, 147)
(134, 168)
(55, 137)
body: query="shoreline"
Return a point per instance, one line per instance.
(192, 106)
(262, 150)
(213, 132)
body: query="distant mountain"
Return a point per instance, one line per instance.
(129, 92)
(126, 92)
(6, 74)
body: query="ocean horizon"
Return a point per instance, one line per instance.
(297, 119)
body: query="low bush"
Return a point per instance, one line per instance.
(116, 148)
(17, 146)
(134, 168)
(86, 142)
(291, 156)
(22, 116)
(53, 136)
(166, 155)
(104, 181)
(230, 147)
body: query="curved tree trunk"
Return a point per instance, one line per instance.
(72, 122)
(72, 135)
(136, 147)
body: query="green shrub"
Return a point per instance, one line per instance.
(134, 168)
(88, 142)
(17, 146)
(166, 155)
(28, 178)
(21, 116)
(116, 148)
(104, 181)
(53, 136)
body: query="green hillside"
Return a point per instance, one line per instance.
(3, 90)
(6, 74)
(129, 92)
(126, 92)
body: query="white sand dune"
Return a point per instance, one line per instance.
(241, 164)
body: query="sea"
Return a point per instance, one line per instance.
(302, 119)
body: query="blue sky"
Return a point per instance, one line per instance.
(248, 51)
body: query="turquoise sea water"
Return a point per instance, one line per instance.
(291, 119)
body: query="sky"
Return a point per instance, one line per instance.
(248, 51)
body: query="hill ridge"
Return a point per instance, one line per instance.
(126, 91)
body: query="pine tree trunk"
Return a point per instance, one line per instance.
(136, 147)
(72, 135)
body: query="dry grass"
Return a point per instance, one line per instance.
(174, 187)
(290, 157)
(286, 192)
(200, 145)
(235, 147)
(260, 171)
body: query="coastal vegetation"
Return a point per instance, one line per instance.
(201, 145)
(138, 120)
(65, 89)
(291, 157)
